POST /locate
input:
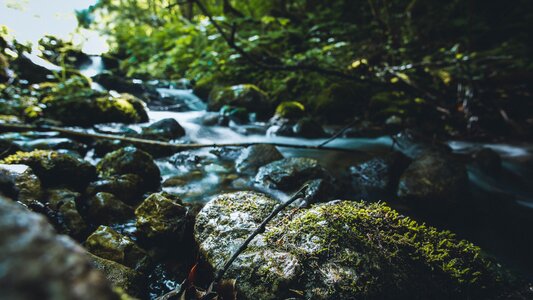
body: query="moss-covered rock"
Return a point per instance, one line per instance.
(161, 217)
(87, 110)
(340, 101)
(130, 160)
(109, 244)
(55, 168)
(126, 187)
(435, 180)
(105, 208)
(290, 173)
(290, 110)
(339, 250)
(64, 202)
(120, 276)
(27, 183)
(247, 96)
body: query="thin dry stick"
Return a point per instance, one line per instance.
(147, 142)
(338, 133)
(256, 232)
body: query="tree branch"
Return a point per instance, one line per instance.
(147, 142)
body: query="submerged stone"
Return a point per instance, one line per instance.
(55, 168)
(109, 244)
(338, 250)
(130, 160)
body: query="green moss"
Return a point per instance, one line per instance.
(247, 96)
(290, 110)
(387, 250)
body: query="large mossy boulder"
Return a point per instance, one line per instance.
(130, 160)
(111, 245)
(290, 173)
(246, 96)
(161, 218)
(94, 108)
(339, 250)
(55, 168)
(434, 180)
(37, 263)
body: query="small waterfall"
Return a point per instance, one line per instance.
(95, 67)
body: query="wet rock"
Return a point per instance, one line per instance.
(120, 276)
(319, 190)
(26, 69)
(125, 187)
(55, 168)
(165, 129)
(26, 182)
(290, 110)
(413, 143)
(488, 161)
(434, 180)
(109, 244)
(377, 178)
(247, 96)
(161, 217)
(64, 202)
(90, 109)
(338, 250)
(253, 157)
(39, 264)
(130, 160)
(237, 115)
(105, 208)
(121, 85)
(8, 148)
(308, 128)
(290, 173)
(227, 153)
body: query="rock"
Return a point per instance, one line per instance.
(26, 69)
(378, 177)
(109, 244)
(245, 95)
(126, 187)
(413, 143)
(8, 148)
(434, 180)
(130, 160)
(105, 208)
(121, 276)
(89, 109)
(39, 264)
(488, 161)
(253, 157)
(238, 115)
(121, 85)
(26, 182)
(290, 173)
(290, 110)
(308, 128)
(160, 217)
(319, 190)
(165, 129)
(64, 202)
(55, 168)
(338, 250)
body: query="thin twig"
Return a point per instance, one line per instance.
(338, 133)
(256, 232)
